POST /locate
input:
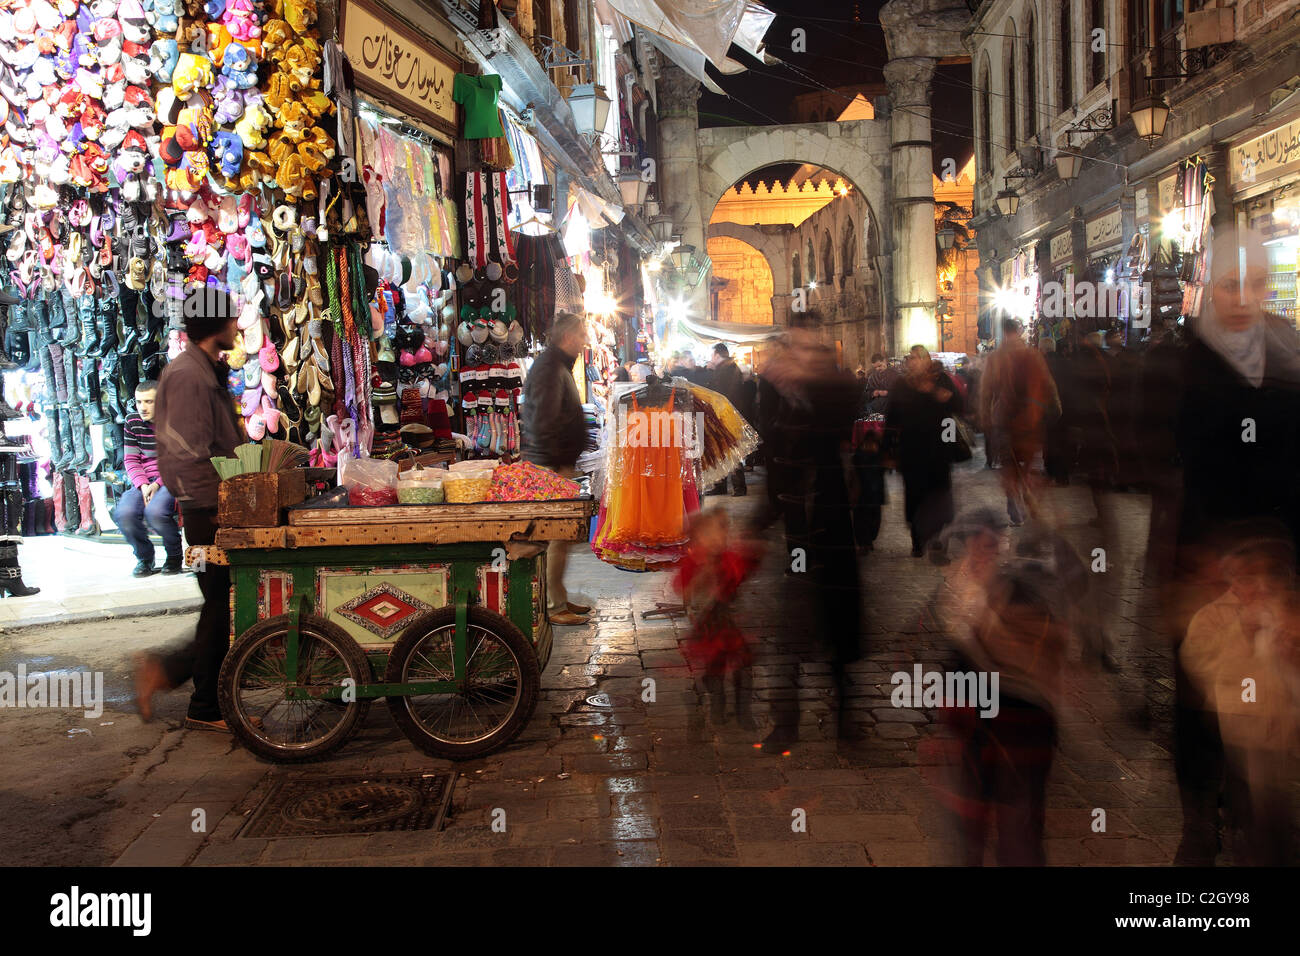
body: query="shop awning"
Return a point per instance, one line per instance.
(707, 27)
(737, 332)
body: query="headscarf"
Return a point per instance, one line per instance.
(1244, 350)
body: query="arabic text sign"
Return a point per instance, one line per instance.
(1062, 248)
(1104, 230)
(392, 62)
(1265, 155)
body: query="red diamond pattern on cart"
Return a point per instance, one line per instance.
(383, 610)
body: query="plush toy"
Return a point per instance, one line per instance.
(214, 9)
(192, 73)
(278, 91)
(241, 19)
(294, 119)
(300, 63)
(317, 103)
(261, 162)
(194, 128)
(276, 35)
(228, 151)
(279, 147)
(163, 56)
(253, 125)
(240, 66)
(294, 179)
(228, 100)
(218, 39)
(299, 14)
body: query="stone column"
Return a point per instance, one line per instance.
(915, 285)
(678, 182)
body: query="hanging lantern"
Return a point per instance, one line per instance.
(1149, 116)
(590, 107)
(1068, 165)
(1008, 201)
(629, 187)
(662, 228)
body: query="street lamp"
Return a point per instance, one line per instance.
(662, 228)
(1149, 116)
(590, 107)
(1068, 165)
(630, 187)
(946, 236)
(1008, 201)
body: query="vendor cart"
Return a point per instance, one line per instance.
(439, 609)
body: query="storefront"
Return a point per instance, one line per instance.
(1264, 180)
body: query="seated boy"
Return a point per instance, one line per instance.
(147, 504)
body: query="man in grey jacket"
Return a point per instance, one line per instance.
(195, 422)
(555, 434)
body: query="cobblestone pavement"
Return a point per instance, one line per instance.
(645, 783)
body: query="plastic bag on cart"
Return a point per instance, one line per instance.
(370, 481)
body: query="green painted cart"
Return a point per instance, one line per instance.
(438, 609)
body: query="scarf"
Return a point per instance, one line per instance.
(1244, 351)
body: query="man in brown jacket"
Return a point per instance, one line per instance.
(196, 422)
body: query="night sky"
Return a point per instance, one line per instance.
(844, 45)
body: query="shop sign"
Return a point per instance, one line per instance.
(1264, 157)
(393, 63)
(1141, 205)
(1062, 248)
(1104, 230)
(1167, 189)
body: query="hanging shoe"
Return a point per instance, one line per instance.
(58, 517)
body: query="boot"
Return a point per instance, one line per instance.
(106, 325)
(75, 395)
(80, 439)
(31, 518)
(42, 350)
(11, 575)
(89, 345)
(65, 308)
(58, 375)
(11, 511)
(58, 515)
(89, 526)
(48, 526)
(109, 373)
(62, 425)
(717, 702)
(128, 379)
(743, 683)
(90, 383)
(71, 508)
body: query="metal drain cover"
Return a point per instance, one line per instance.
(334, 806)
(608, 700)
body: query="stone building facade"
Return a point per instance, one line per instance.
(1057, 78)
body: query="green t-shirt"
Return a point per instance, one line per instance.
(478, 94)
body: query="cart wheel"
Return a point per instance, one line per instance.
(502, 682)
(251, 689)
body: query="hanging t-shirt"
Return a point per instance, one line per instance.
(478, 94)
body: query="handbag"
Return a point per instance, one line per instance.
(963, 449)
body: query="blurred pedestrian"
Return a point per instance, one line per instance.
(1018, 400)
(195, 422)
(727, 381)
(708, 577)
(920, 406)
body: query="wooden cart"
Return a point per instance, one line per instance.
(438, 609)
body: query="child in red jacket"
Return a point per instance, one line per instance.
(708, 578)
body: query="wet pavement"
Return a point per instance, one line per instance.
(626, 780)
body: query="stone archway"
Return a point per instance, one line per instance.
(857, 150)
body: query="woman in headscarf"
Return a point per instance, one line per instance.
(1239, 440)
(919, 405)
